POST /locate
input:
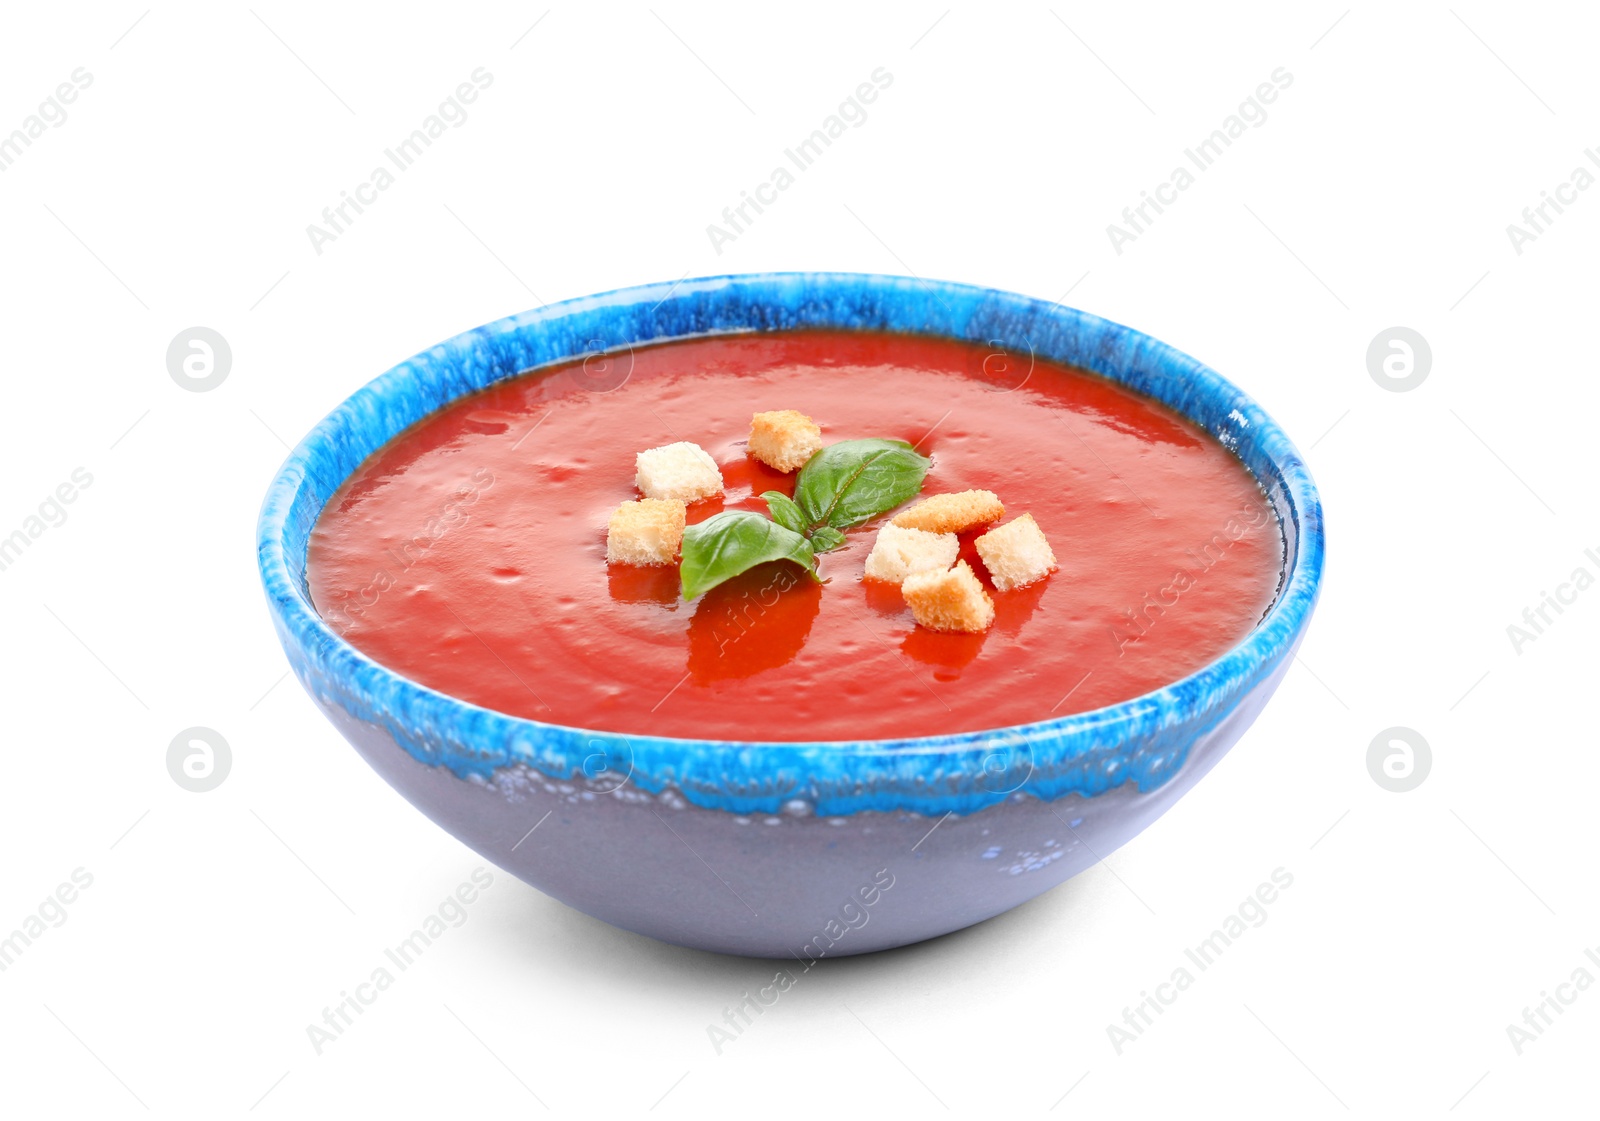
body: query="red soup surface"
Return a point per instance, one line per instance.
(469, 553)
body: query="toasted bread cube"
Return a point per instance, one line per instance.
(1016, 554)
(949, 600)
(899, 552)
(784, 439)
(952, 513)
(682, 471)
(645, 532)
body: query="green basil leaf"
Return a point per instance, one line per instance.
(853, 481)
(785, 512)
(735, 541)
(824, 538)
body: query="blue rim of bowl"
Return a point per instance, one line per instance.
(1143, 740)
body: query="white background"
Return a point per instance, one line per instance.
(1378, 192)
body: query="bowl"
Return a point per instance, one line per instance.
(802, 849)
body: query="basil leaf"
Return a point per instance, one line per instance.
(824, 538)
(785, 512)
(853, 481)
(735, 541)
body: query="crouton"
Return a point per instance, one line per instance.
(682, 471)
(898, 553)
(784, 439)
(1016, 554)
(952, 513)
(949, 600)
(645, 532)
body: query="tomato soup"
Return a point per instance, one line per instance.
(469, 553)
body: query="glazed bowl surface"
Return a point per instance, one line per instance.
(798, 849)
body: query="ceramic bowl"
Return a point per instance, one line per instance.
(803, 849)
